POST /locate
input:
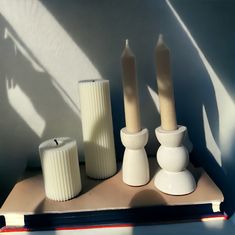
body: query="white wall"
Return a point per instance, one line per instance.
(48, 46)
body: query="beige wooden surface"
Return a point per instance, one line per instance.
(28, 195)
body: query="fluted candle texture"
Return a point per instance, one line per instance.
(60, 166)
(97, 128)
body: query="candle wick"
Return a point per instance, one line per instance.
(56, 142)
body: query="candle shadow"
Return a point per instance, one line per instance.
(94, 145)
(98, 130)
(150, 196)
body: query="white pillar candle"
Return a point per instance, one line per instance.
(165, 86)
(97, 127)
(130, 91)
(60, 166)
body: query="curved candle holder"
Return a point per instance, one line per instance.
(173, 158)
(135, 168)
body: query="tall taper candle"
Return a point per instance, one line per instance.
(97, 128)
(130, 92)
(165, 86)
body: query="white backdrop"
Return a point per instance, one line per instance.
(48, 46)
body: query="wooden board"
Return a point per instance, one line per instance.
(28, 196)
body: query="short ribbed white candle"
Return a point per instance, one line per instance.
(60, 166)
(97, 128)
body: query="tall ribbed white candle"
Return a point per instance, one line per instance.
(97, 128)
(60, 166)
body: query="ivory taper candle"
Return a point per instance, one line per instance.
(97, 128)
(130, 91)
(165, 86)
(60, 166)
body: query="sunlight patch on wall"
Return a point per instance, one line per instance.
(51, 46)
(226, 106)
(25, 109)
(19, 47)
(210, 141)
(155, 98)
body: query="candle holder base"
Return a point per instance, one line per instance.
(173, 158)
(175, 183)
(135, 168)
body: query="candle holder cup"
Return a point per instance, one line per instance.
(135, 168)
(173, 177)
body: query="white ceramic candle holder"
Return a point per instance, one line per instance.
(173, 158)
(135, 168)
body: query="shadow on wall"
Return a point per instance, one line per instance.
(41, 113)
(100, 29)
